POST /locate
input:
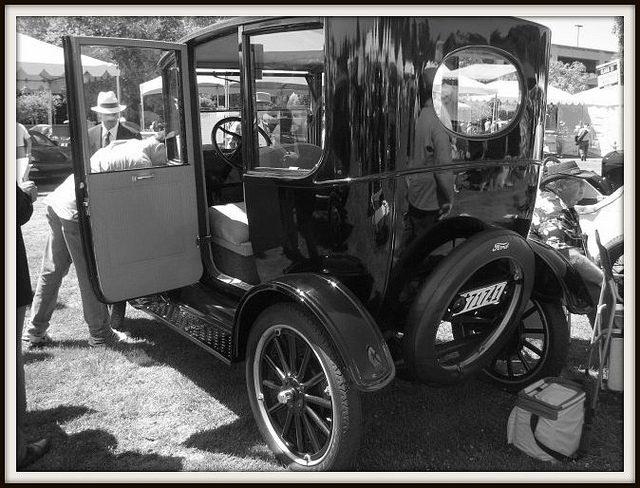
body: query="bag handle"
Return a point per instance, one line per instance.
(533, 423)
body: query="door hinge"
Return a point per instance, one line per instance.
(85, 204)
(203, 240)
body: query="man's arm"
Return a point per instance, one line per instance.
(27, 142)
(444, 179)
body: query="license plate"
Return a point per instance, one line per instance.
(481, 297)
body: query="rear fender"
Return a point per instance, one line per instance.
(351, 328)
(556, 277)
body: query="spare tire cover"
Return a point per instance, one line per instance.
(468, 306)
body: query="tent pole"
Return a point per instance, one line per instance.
(118, 88)
(142, 110)
(50, 105)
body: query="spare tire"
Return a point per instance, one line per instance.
(468, 307)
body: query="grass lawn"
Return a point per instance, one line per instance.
(162, 404)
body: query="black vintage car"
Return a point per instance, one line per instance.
(277, 230)
(49, 160)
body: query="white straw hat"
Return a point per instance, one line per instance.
(108, 104)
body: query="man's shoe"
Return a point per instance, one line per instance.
(35, 451)
(37, 341)
(116, 338)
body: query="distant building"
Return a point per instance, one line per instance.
(587, 56)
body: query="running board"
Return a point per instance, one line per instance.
(211, 333)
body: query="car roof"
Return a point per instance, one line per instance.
(222, 27)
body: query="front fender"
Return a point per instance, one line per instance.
(350, 326)
(556, 277)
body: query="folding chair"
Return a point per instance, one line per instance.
(600, 338)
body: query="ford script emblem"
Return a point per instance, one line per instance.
(500, 246)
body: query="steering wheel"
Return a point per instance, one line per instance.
(231, 150)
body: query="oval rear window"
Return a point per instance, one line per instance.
(477, 92)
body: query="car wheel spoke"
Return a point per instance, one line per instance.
(287, 424)
(281, 355)
(311, 434)
(524, 362)
(321, 402)
(313, 381)
(528, 312)
(326, 430)
(275, 368)
(292, 353)
(298, 428)
(275, 407)
(270, 385)
(532, 348)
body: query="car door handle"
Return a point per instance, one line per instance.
(135, 178)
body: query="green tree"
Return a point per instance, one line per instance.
(572, 78)
(618, 30)
(161, 28)
(33, 107)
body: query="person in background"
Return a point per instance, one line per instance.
(130, 154)
(26, 454)
(430, 194)
(267, 120)
(110, 129)
(23, 153)
(550, 225)
(583, 141)
(62, 248)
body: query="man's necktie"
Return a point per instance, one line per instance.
(107, 139)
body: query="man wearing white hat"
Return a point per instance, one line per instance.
(110, 128)
(266, 121)
(64, 247)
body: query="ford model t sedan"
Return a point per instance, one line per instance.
(338, 201)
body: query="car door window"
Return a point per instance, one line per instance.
(287, 77)
(145, 85)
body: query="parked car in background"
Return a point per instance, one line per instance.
(612, 167)
(48, 158)
(45, 129)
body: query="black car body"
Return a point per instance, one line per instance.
(613, 168)
(285, 250)
(48, 159)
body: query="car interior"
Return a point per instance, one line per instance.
(287, 109)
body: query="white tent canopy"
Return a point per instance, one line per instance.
(466, 85)
(608, 96)
(556, 95)
(508, 90)
(41, 65)
(485, 72)
(154, 86)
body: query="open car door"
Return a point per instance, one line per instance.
(137, 199)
